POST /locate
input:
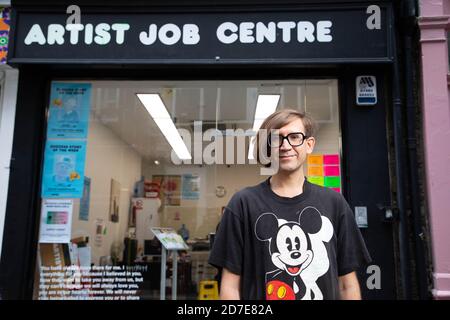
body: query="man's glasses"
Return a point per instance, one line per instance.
(295, 139)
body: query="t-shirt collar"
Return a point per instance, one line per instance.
(306, 190)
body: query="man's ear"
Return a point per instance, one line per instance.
(310, 143)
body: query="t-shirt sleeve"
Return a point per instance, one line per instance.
(227, 249)
(352, 251)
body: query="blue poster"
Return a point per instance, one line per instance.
(85, 199)
(70, 105)
(63, 169)
(191, 187)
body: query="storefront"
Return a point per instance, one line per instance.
(8, 92)
(109, 103)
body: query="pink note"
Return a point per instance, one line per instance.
(330, 159)
(337, 189)
(331, 171)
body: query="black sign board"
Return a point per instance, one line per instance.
(336, 35)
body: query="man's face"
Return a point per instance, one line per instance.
(292, 158)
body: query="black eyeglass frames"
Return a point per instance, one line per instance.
(295, 139)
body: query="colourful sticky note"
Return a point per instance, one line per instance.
(337, 189)
(316, 171)
(334, 182)
(316, 180)
(332, 171)
(315, 159)
(330, 159)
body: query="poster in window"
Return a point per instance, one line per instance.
(191, 187)
(69, 110)
(114, 202)
(85, 199)
(170, 190)
(64, 169)
(56, 221)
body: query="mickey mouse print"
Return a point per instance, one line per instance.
(297, 252)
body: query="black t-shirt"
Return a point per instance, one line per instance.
(288, 248)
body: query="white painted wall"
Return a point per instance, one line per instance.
(108, 157)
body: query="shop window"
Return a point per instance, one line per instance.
(112, 172)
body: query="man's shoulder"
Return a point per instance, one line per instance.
(249, 191)
(326, 194)
(247, 194)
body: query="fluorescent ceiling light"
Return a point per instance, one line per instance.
(158, 111)
(266, 104)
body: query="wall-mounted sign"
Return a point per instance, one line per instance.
(315, 35)
(361, 217)
(366, 90)
(64, 169)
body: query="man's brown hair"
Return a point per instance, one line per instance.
(276, 121)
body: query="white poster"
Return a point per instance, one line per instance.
(56, 221)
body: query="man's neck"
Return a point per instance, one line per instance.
(288, 184)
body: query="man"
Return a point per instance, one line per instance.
(287, 238)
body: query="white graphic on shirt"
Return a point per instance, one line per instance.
(298, 251)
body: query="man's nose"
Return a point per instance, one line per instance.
(285, 144)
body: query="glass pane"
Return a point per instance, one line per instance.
(107, 182)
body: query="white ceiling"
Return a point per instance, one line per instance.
(115, 105)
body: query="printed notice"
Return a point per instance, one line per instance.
(64, 169)
(56, 221)
(91, 282)
(69, 110)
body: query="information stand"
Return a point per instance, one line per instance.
(170, 241)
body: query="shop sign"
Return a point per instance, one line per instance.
(320, 35)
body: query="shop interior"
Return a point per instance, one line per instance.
(132, 183)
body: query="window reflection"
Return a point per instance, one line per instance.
(132, 183)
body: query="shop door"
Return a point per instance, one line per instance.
(367, 179)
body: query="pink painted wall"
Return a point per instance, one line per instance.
(433, 22)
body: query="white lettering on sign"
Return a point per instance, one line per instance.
(191, 34)
(268, 32)
(120, 29)
(286, 28)
(170, 34)
(249, 32)
(229, 38)
(56, 33)
(102, 34)
(35, 35)
(188, 34)
(74, 30)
